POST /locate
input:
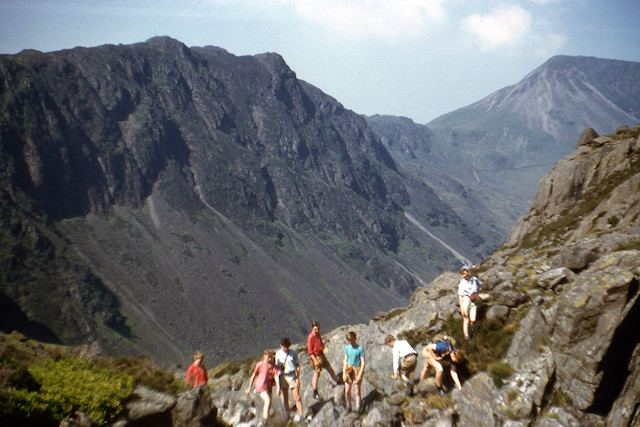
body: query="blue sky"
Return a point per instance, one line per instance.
(414, 58)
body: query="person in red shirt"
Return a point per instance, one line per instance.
(315, 348)
(197, 372)
(265, 374)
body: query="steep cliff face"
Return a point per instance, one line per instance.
(556, 342)
(180, 189)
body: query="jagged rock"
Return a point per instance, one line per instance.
(586, 137)
(622, 129)
(529, 339)
(148, 407)
(475, 403)
(575, 258)
(509, 298)
(551, 278)
(593, 340)
(498, 312)
(531, 384)
(194, 408)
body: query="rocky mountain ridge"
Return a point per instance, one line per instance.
(556, 343)
(152, 192)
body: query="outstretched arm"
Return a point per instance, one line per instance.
(253, 376)
(456, 379)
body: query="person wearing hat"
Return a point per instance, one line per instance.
(468, 289)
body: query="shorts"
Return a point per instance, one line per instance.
(322, 362)
(468, 305)
(429, 360)
(288, 380)
(351, 375)
(408, 363)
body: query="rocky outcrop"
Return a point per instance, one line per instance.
(149, 408)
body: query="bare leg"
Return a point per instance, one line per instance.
(296, 397)
(425, 371)
(347, 393)
(266, 398)
(285, 400)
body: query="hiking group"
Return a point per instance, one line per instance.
(282, 368)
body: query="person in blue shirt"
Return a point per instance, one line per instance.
(435, 352)
(353, 370)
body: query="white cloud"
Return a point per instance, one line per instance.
(504, 26)
(371, 18)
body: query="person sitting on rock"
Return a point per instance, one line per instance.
(197, 372)
(468, 289)
(405, 358)
(315, 349)
(433, 353)
(288, 363)
(265, 374)
(353, 370)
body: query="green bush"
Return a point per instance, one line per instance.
(66, 386)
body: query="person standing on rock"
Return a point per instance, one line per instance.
(468, 289)
(353, 370)
(265, 374)
(405, 358)
(197, 372)
(433, 353)
(315, 349)
(288, 363)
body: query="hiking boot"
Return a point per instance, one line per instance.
(441, 391)
(316, 395)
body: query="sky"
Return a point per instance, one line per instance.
(414, 58)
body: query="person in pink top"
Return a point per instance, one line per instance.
(197, 372)
(265, 374)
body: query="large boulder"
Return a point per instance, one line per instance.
(595, 337)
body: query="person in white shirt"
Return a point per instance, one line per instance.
(288, 363)
(405, 358)
(468, 289)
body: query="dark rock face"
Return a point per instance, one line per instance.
(186, 197)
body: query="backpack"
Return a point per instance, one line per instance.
(444, 337)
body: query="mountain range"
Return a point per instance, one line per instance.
(158, 198)
(485, 160)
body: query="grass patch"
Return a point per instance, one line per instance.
(500, 371)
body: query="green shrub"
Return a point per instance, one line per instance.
(66, 386)
(145, 372)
